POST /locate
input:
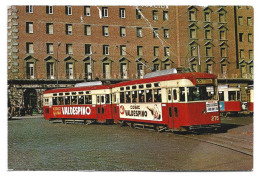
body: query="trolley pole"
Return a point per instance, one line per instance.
(199, 57)
(57, 68)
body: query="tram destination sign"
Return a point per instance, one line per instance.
(212, 106)
(204, 81)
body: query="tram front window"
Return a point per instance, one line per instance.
(201, 93)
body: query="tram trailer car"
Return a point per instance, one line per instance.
(229, 100)
(183, 101)
(85, 103)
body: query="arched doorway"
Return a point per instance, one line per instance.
(30, 99)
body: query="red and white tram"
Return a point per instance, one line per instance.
(229, 99)
(250, 98)
(183, 101)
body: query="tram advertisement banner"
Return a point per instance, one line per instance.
(151, 112)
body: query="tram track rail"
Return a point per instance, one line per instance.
(227, 142)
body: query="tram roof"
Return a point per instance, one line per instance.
(86, 88)
(192, 76)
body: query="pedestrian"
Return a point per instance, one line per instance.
(30, 110)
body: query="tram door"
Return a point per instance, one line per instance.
(100, 107)
(172, 106)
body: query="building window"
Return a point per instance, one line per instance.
(192, 16)
(30, 70)
(240, 20)
(251, 70)
(49, 9)
(69, 29)
(68, 10)
(166, 33)
(140, 70)
(49, 48)
(123, 70)
(122, 12)
(209, 69)
(49, 28)
(29, 9)
(193, 33)
(105, 50)
(50, 70)
(241, 37)
(251, 54)
(156, 51)
(156, 67)
(104, 12)
(69, 49)
(207, 16)
(105, 31)
(167, 66)
(138, 13)
(194, 67)
(165, 15)
(222, 18)
(123, 50)
(224, 69)
(243, 71)
(208, 52)
(223, 52)
(139, 50)
(87, 30)
(193, 51)
(250, 37)
(69, 70)
(29, 48)
(222, 35)
(87, 10)
(241, 54)
(122, 32)
(29, 27)
(207, 34)
(87, 49)
(139, 32)
(155, 15)
(155, 33)
(166, 51)
(88, 73)
(249, 21)
(106, 70)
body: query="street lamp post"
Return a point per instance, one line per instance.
(57, 68)
(199, 57)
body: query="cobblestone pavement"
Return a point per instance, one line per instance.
(37, 144)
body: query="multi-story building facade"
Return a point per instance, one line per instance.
(58, 46)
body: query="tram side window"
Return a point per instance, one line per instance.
(114, 97)
(174, 92)
(46, 101)
(157, 95)
(54, 101)
(88, 99)
(122, 97)
(98, 99)
(221, 95)
(60, 101)
(231, 95)
(149, 95)
(134, 96)
(102, 99)
(67, 100)
(238, 95)
(182, 94)
(169, 95)
(81, 99)
(107, 99)
(128, 96)
(141, 95)
(74, 100)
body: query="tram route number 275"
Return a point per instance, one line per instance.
(214, 118)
